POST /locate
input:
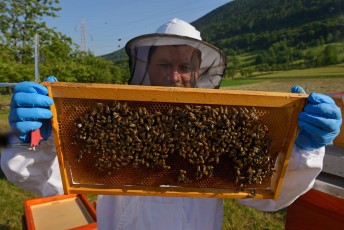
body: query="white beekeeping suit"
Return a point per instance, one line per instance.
(38, 171)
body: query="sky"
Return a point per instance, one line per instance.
(109, 24)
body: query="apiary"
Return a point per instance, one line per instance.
(162, 141)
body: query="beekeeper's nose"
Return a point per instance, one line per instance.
(174, 76)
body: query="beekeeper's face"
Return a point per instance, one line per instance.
(174, 66)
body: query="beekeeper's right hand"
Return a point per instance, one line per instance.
(319, 122)
(30, 110)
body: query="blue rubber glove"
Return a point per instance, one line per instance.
(30, 110)
(50, 78)
(319, 122)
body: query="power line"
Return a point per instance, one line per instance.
(83, 36)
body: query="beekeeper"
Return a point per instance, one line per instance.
(173, 56)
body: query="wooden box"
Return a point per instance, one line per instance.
(316, 210)
(201, 142)
(60, 212)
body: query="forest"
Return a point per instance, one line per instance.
(256, 35)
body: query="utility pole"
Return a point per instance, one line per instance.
(36, 59)
(83, 36)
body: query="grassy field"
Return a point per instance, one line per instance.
(236, 216)
(4, 109)
(322, 80)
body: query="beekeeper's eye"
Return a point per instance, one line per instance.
(164, 65)
(186, 68)
(180, 68)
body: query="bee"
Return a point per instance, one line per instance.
(252, 194)
(182, 178)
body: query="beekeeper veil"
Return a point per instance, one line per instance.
(175, 32)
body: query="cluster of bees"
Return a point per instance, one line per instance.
(119, 135)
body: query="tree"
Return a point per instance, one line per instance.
(232, 66)
(21, 20)
(310, 58)
(55, 47)
(330, 55)
(231, 71)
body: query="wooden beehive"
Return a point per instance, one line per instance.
(277, 111)
(72, 211)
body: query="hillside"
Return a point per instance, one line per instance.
(251, 25)
(256, 25)
(119, 54)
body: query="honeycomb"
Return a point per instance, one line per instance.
(84, 164)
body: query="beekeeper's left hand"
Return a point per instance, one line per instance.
(319, 122)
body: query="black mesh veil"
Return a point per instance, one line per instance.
(212, 66)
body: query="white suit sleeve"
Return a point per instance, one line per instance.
(304, 166)
(36, 171)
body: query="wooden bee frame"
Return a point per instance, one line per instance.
(279, 111)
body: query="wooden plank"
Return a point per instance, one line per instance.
(58, 145)
(284, 158)
(168, 94)
(171, 192)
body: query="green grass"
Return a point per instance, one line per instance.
(11, 202)
(334, 71)
(247, 59)
(238, 82)
(4, 110)
(12, 197)
(238, 216)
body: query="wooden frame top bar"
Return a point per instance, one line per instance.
(168, 94)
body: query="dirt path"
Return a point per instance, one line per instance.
(310, 85)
